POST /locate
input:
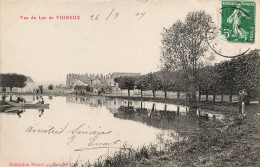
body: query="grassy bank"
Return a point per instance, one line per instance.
(233, 142)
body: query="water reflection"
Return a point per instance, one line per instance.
(90, 101)
(19, 111)
(135, 122)
(116, 105)
(15, 110)
(182, 119)
(41, 112)
(154, 114)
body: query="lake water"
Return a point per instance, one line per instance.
(87, 128)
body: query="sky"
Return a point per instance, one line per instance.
(126, 37)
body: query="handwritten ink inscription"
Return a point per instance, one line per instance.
(93, 135)
(112, 15)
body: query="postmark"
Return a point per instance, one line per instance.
(238, 21)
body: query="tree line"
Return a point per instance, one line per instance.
(185, 64)
(227, 77)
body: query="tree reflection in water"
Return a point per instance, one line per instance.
(41, 112)
(185, 121)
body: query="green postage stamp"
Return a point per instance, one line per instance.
(238, 21)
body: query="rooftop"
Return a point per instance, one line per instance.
(29, 79)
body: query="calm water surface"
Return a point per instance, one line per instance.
(87, 128)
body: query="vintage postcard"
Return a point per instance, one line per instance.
(129, 83)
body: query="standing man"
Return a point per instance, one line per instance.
(242, 100)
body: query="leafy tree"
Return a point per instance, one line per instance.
(142, 83)
(129, 83)
(154, 82)
(178, 81)
(207, 81)
(20, 81)
(226, 72)
(50, 87)
(12, 80)
(247, 69)
(126, 83)
(120, 81)
(231, 76)
(167, 80)
(3, 81)
(184, 44)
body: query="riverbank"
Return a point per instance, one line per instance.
(222, 107)
(235, 141)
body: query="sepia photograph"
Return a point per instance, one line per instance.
(129, 83)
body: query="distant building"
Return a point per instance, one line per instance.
(97, 81)
(78, 83)
(124, 74)
(95, 85)
(113, 84)
(79, 87)
(30, 85)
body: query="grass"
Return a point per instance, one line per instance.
(235, 141)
